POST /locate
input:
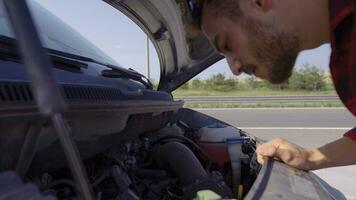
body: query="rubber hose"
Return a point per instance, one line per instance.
(180, 160)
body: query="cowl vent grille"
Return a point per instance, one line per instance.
(15, 92)
(91, 93)
(20, 92)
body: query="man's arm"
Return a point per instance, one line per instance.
(338, 153)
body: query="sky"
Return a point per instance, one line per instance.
(125, 42)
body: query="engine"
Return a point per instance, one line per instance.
(173, 163)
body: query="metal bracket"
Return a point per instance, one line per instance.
(28, 149)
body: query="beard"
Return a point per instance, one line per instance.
(272, 48)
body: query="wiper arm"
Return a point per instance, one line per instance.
(67, 64)
(117, 72)
(9, 50)
(70, 62)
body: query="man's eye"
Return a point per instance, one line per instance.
(227, 47)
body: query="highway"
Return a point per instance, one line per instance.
(308, 127)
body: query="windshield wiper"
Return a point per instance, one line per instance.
(71, 62)
(118, 72)
(9, 51)
(67, 64)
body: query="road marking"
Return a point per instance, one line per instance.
(295, 128)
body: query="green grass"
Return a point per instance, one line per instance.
(255, 92)
(265, 105)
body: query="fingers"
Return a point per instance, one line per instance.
(260, 159)
(269, 149)
(288, 153)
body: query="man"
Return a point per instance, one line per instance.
(264, 37)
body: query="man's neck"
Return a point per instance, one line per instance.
(318, 32)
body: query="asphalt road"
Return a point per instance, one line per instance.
(308, 127)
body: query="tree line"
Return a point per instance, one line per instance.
(308, 78)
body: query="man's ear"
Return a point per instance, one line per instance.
(263, 5)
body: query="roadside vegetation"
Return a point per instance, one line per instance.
(308, 80)
(330, 104)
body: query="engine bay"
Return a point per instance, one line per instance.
(172, 163)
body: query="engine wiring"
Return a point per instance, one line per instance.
(132, 169)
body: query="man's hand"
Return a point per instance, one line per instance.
(338, 153)
(289, 153)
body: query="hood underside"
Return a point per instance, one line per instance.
(182, 48)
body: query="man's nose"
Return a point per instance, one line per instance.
(234, 64)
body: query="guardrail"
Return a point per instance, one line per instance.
(255, 99)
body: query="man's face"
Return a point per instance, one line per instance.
(250, 46)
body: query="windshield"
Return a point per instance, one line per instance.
(56, 35)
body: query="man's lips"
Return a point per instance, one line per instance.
(248, 69)
(237, 67)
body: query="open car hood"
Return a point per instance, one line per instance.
(182, 48)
